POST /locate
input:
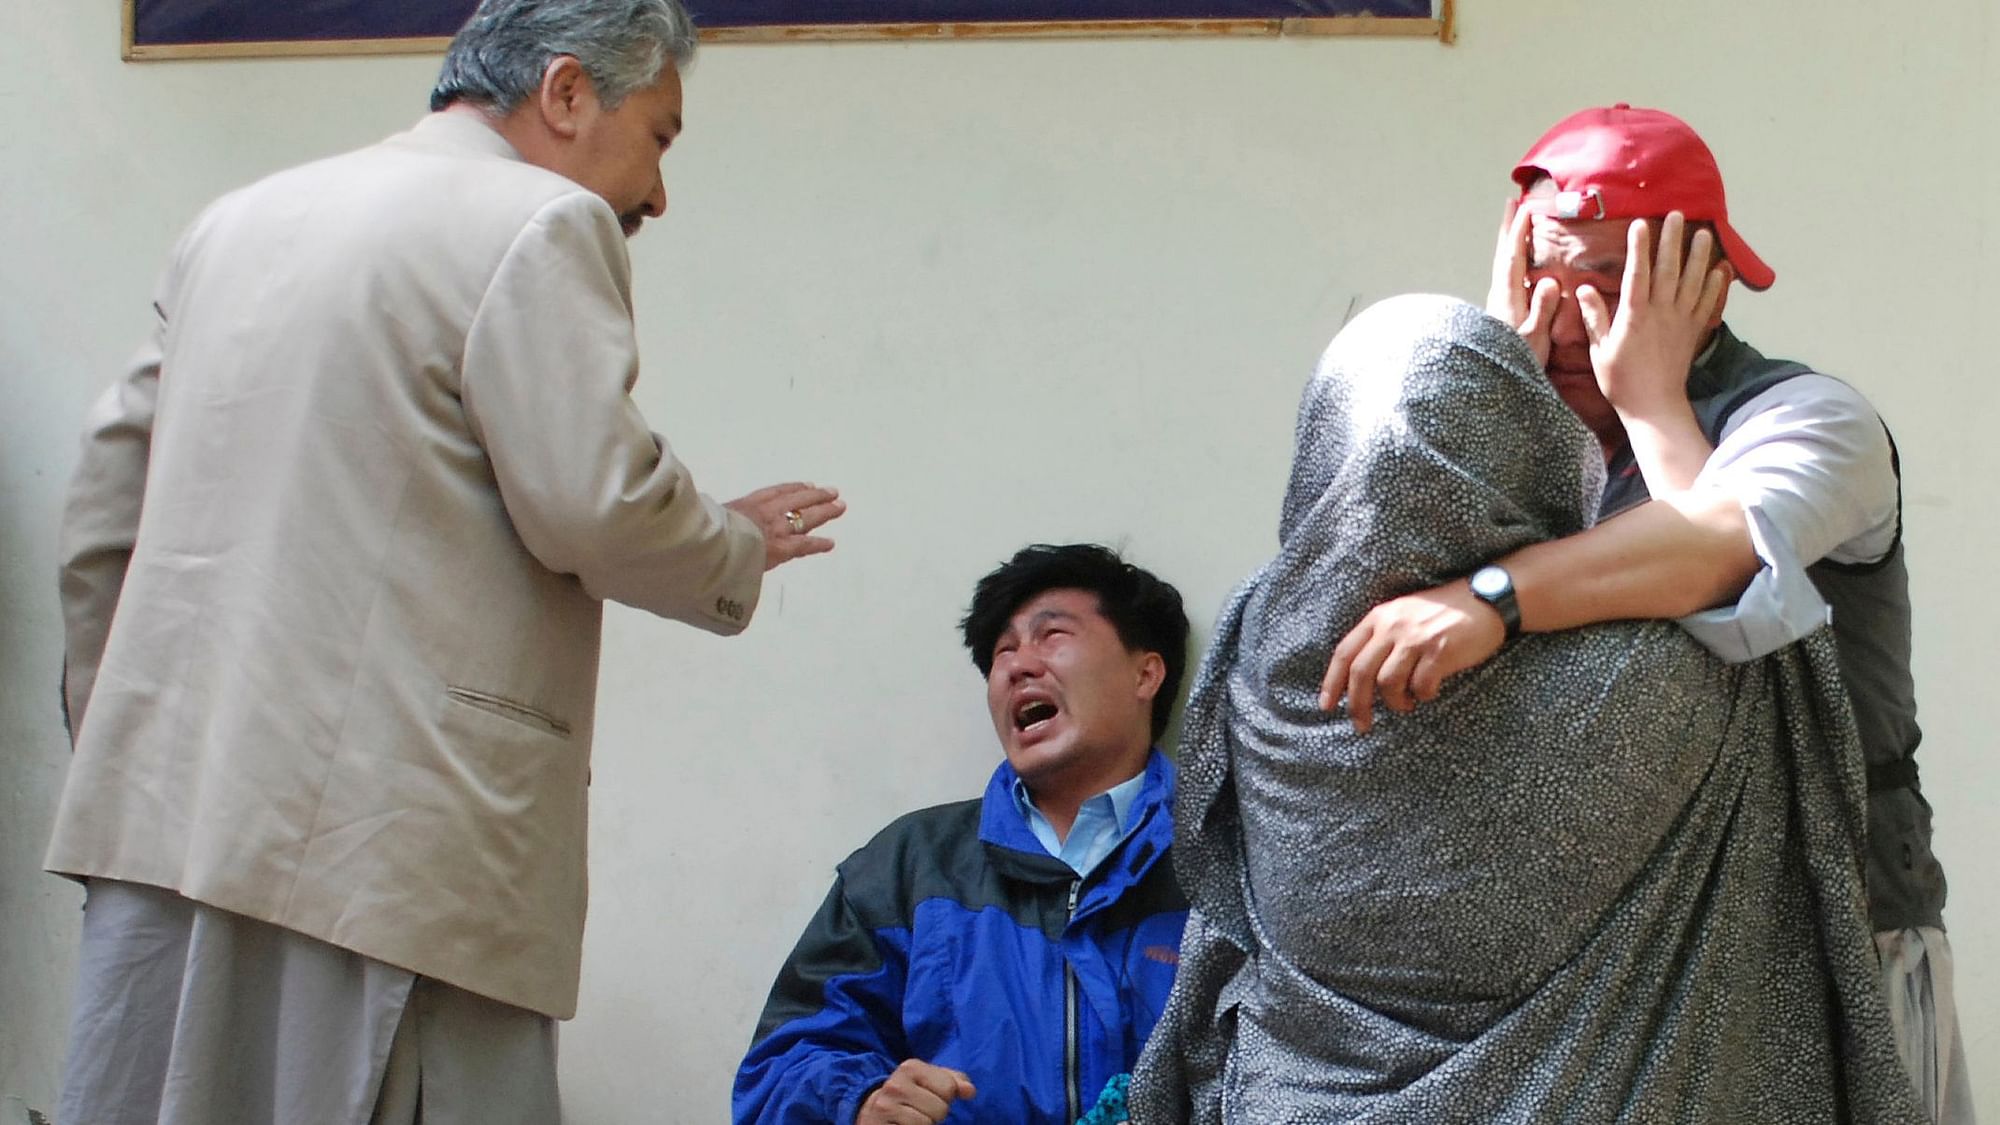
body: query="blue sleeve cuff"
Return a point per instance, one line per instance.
(849, 1108)
(1781, 605)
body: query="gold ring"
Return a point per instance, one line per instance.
(797, 522)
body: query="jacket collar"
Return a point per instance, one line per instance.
(1018, 855)
(458, 132)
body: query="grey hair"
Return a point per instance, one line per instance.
(497, 59)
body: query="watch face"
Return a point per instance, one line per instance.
(1490, 582)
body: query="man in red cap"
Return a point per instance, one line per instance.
(1755, 499)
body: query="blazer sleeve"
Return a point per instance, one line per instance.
(100, 520)
(832, 1030)
(550, 361)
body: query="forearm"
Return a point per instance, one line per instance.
(807, 1082)
(827, 1035)
(1672, 556)
(1668, 445)
(590, 489)
(1666, 558)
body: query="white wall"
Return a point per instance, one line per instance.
(1001, 292)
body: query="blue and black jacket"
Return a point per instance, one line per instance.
(955, 938)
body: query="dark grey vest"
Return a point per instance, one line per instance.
(1871, 628)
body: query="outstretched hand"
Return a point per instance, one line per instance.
(787, 514)
(1404, 650)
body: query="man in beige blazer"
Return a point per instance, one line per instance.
(357, 507)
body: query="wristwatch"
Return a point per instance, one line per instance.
(1494, 586)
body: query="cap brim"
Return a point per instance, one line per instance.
(1750, 269)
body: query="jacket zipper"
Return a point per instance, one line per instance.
(1072, 1054)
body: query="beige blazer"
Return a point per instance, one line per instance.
(356, 506)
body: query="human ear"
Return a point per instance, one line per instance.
(560, 96)
(1152, 673)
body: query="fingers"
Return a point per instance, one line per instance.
(1334, 684)
(1542, 306)
(806, 495)
(1666, 280)
(918, 1093)
(1672, 293)
(1360, 691)
(896, 1104)
(820, 514)
(1394, 680)
(783, 547)
(1693, 279)
(1427, 678)
(1403, 651)
(769, 492)
(1511, 258)
(787, 514)
(1508, 230)
(949, 1085)
(777, 499)
(918, 1109)
(1597, 314)
(1712, 287)
(1503, 243)
(1507, 298)
(799, 498)
(1362, 678)
(1637, 287)
(1365, 660)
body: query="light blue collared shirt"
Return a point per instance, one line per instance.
(1101, 824)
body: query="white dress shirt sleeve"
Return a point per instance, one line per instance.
(1810, 462)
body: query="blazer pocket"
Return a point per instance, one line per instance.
(509, 709)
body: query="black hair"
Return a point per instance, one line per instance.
(1144, 610)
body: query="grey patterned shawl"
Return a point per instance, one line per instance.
(1604, 877)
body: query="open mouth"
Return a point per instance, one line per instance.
(1033, 713)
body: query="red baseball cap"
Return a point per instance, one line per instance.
(1625, 163)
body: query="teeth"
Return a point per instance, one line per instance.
(1031, 713)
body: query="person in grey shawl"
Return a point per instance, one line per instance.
(1602, 877)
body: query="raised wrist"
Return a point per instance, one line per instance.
(1660, 402)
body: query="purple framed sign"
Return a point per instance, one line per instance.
(163, 29)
